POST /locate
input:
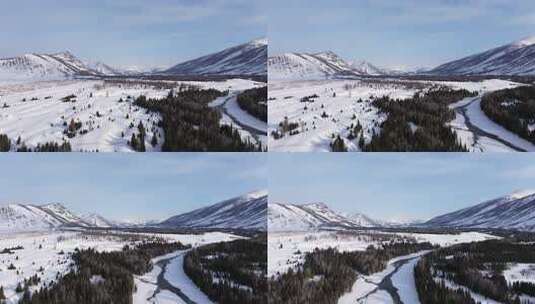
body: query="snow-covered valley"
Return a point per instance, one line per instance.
(103, 112)
(394, 284)
(307, 115)
(47, 255)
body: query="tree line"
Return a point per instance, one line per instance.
(419, 123)
(6, 144)
(477, 266)
(327, 274)
(189, 124)
(230, 272)
(254, 102)
(116, 269)
(513, 109)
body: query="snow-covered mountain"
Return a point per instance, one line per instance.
(313, 66)
(104, 69)
(245, 59)
(314, 216)
(58, 66)
(248, 211)
(96, 220)
(42, 67)
(517, 58)
(27, 217)
(308, 66)
(365, 68)
(514, 211)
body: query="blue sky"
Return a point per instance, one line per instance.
(398, 185)
(136, 186)
(392, 33)
(129, 32)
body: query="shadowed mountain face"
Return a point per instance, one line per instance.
(515, 211)
(244, 212)
(245, 59)
(517, 58)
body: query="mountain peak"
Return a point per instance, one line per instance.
(54, 206)
(259, 42)
(327, 54)
(318, 205)
(65, 54)
(256, 194)
(519, 194)
(525, 41)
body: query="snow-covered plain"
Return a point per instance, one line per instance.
(47, 254)
(35, 112)
(337, 107)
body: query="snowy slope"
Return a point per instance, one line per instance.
(245, 59)
(104, 69)
(314, 216)
(517, 58)
(244, 212)
(43, 67)
(96, 220)
(324, 65)
(514, 211)
(365, 68)
(27, 217)
(307, 66)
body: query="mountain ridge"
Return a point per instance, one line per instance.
(247, 211)
(245, 59)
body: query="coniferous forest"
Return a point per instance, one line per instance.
(327, 274)
(113, 272)
(477, 266)
(254, 101)
(514, 109)
(418, 124)
(190, 125)
(231, 272)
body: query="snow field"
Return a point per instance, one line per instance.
(47, 253)
(43, 119)
(316, 132)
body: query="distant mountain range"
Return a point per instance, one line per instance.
(245, 59)
(324, 65)
(318, 216)
(24, 217)
(514, 211)
(517, 58)
(248, 211)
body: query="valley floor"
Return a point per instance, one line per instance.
(335, 105)
(47, 255)
(395, 284)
